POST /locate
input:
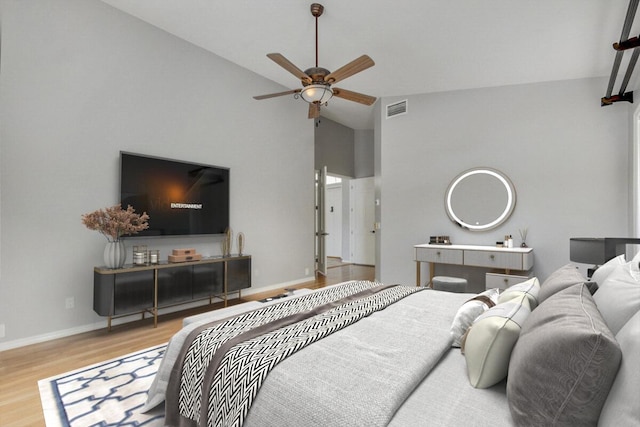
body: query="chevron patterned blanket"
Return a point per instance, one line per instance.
(222, 365)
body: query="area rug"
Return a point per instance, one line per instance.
(109, 393)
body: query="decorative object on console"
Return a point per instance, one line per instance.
(439, 240)
(480, 199)
(115, 254)
(523, 237)
(184, 255)
(113, 223)
(240, 243)
(139, 255)
(227, 242)
(154, 256)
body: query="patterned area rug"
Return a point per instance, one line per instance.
(106, 394)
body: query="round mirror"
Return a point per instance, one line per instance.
(480, 199)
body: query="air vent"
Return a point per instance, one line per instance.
(397, 108)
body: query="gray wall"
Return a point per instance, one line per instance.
(566, 156)
(334, 148)
(343, 150)
(81, 81)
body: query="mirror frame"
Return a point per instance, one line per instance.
(506, 213)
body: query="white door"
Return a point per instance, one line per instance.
(321, 234)
(333, 218)
(363, 240)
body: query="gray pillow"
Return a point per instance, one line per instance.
(618, 297)
(563, 364)
(560, 279)
(621, 407)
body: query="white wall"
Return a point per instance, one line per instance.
(566, 156)
(81, 81)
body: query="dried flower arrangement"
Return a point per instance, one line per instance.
(114, 222)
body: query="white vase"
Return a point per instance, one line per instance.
(115, 254)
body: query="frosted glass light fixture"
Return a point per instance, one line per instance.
(316, 93)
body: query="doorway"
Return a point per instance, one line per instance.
(362, 221)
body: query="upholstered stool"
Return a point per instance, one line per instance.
(449, 284)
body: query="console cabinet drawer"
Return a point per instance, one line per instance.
(503, 281)
(494, 259)
(440, 255)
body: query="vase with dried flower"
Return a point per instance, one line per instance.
(113, 223)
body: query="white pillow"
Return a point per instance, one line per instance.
(529, 288)
(601, 274)
(621, 407)
(469, 311)
(490, 341)
(618, 298)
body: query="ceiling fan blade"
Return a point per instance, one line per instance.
(289, 66)
(353, 67)
(273, 95)
(354, 96)
(314, 110)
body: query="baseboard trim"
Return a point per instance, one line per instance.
(22, 342)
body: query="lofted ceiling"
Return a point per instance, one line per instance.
(419, 46)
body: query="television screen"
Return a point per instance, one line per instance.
(181, 198)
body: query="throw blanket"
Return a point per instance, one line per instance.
(222, 366)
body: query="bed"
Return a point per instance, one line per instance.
(372, 354)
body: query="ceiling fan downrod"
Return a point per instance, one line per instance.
(316, 11)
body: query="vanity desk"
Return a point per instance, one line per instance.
(507, 265)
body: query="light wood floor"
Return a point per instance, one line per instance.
(21, 368)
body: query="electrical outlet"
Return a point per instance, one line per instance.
(256, 272)
(306, 271)
(2, 331)
(69, 303)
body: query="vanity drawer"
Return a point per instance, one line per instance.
(439, 255)
(494, 259)
(503, 281)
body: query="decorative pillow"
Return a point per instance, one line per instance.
(618, 298)
(489, 341)
(564, 363)
(621, 407)
(601, 274)
(560, 279)
(529, 288)
(469, 311)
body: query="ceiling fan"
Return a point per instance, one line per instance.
(317, 81)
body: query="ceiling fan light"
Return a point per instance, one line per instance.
(316, 93)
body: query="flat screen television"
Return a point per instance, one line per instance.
(181, 198)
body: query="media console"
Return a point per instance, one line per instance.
(147, 288)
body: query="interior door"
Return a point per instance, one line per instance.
(333, 220)
(321, 233)
(363, 243)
